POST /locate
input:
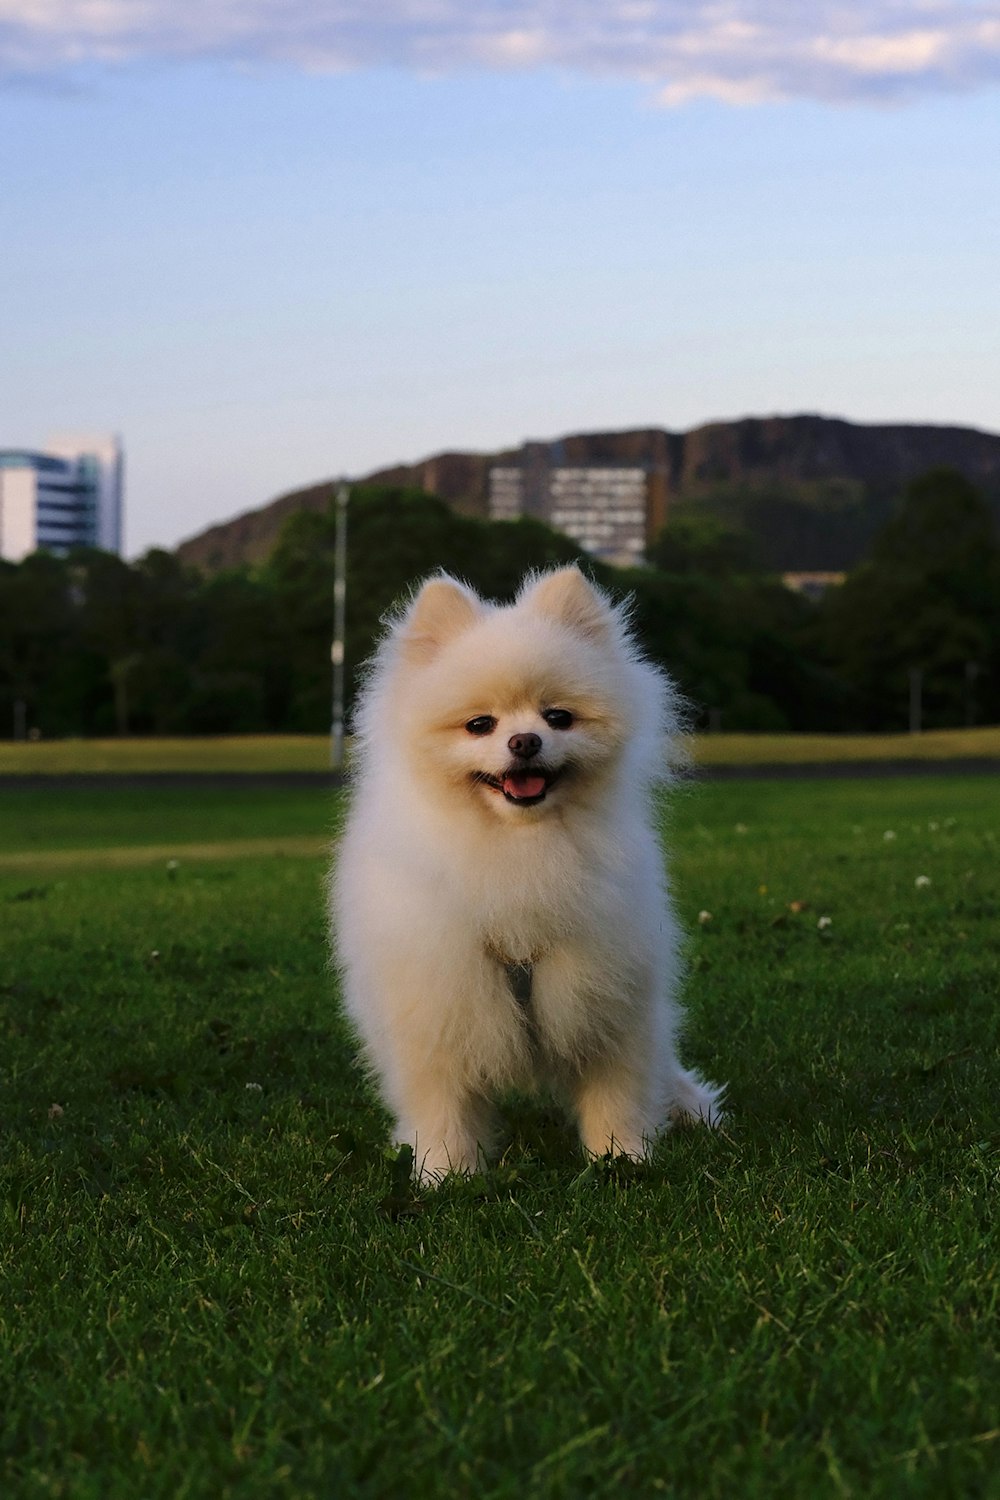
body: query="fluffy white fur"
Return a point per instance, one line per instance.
(443, 879)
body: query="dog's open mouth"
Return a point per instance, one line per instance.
(524, 786)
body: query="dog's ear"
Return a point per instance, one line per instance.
(565, 595)
(442, 610)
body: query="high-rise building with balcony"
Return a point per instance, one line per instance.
(67, 495)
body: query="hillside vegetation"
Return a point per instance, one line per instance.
(92, 645)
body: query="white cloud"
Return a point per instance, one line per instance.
(910, 52)
(738, 51)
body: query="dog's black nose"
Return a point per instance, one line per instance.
(524, 745)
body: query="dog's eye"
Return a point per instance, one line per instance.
(558, 718)
(481, 724)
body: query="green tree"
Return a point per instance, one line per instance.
(692, 542)
(739, 649)
(396, 537)
(138, 620)
(37, 641)
(240, 681)
(928, 599)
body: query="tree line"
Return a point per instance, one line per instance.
(93, 645)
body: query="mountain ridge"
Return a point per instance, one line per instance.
(798, 460)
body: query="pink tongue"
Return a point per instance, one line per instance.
(524, 784)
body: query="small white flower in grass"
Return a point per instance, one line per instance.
(922, 881)
(824, 923)
(255, 1088)
(889, 835)
(704, 917)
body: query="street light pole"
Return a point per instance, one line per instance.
(916, 699)
(337, 647)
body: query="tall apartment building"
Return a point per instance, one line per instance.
(68, 495)
(610, 510)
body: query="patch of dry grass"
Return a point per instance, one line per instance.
(217, 753)
(808, 749)
(311, 752)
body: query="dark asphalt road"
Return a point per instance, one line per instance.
(111, 780)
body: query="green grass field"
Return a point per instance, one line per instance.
(216, 1282)
(305, 752)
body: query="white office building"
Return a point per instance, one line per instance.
(67, 495)
(609, 510)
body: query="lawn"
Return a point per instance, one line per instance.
(139, 824)
(217, 1283)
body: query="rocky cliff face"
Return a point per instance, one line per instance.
(809, 449)
(791, 455)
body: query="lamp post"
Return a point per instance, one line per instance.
(337, 646)
(916, 699)
(972, 670)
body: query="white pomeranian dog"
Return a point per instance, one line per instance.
(500, 904)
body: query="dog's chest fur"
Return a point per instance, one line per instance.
(527, 906)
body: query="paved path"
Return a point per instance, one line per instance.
(124, 856)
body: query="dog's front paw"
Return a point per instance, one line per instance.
(431, 1165)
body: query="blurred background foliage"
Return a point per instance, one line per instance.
(93, 645)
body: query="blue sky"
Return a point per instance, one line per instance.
(275, 243)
